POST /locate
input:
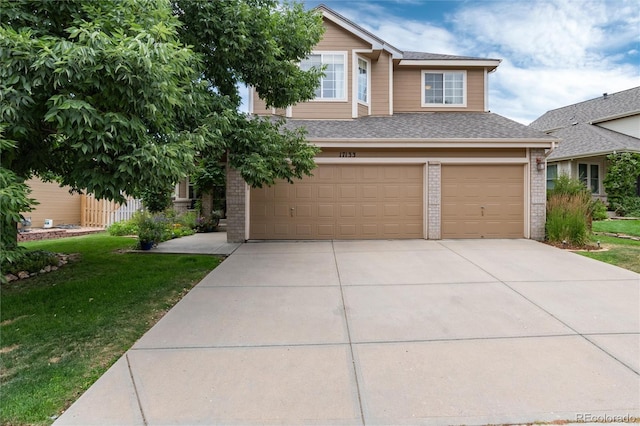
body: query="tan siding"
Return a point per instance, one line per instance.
(380, 85)
(363, 110)
(322, 110)
(407, 90)
(335, 39)
(55, 203)
(259, 106)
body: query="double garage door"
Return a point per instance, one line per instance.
(387, 202)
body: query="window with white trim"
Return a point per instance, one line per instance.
(552, 175)
(333, 84)
(589, 174)
(444, 88)
(363, 81)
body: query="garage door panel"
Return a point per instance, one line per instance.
(278, 192)
(278, 210)
(368, 192)
(369, 211)
(468, 188)
(347, 211)
(413, 210)
(391, 211)
(325, 192)
(369, 230)
(344, 202)
(347, 192)
(303, 211)
(326, 211)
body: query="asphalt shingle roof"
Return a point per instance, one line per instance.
(437, 56)
(581, 138)
(587, 139)
(591, 110)
(438, 125)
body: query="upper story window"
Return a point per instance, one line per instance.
(333, 84)
(444, 88)
(363, 81)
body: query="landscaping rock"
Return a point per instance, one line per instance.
(11, 277)
(23, 274)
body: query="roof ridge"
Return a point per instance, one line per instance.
(605, 95)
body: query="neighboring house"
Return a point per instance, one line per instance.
(590, 131)
(61, 208)
(409, 150)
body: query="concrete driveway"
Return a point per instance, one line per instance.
(385, 332)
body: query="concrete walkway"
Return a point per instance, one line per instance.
(201, 243)
(385, 332)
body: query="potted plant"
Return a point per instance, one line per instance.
(149, 231)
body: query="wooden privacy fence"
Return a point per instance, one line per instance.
(102, 213)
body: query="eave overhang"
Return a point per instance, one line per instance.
(490, 64)
(433, 143)
(591, 154)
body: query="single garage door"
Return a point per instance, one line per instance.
(342, 202)
(482, 201)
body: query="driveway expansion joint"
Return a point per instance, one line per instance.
(135, 390)
(346, 321)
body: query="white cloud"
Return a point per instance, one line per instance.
(555, 52)
(523, 94)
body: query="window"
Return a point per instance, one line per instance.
(332, 85)
(589, 174)
(446, 88)
(363, 80)
(552, 175)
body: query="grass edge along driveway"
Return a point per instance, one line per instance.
(59, 332)
(617, 251)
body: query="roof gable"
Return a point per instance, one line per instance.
(404, 57)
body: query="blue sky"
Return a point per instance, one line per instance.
(554, 52)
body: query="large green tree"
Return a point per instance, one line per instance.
(113, 96)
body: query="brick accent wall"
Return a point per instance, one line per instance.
(236, 203)
(434, 219)
(538, 188)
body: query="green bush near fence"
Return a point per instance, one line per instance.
(175, 225)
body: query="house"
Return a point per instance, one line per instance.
(58, 206)
(590, 131)
(409, 149)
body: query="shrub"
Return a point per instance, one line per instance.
(598, 210)
(628, 206)
(150, 228)
(124, 227)
(569, 209)
(564, 184)
(567, 218)
(621, 183)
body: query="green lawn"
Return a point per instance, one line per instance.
(618, 251)
(628, 227)
(61, 331)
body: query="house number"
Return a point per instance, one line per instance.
(345, 154)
